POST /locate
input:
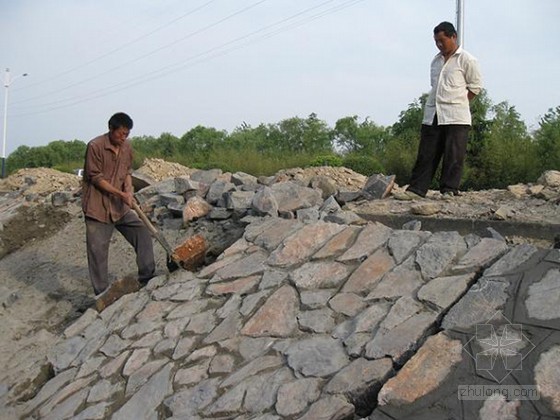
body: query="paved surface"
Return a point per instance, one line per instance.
(323, 321)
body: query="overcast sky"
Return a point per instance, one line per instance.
(175, 64)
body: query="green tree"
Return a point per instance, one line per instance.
(352, 136)
(508, 155)
(198, 142)
(298, 135)
(547, 137)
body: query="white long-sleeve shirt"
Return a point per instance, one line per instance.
(450, 83)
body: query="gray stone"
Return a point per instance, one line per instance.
(228, 328)
(344, 196)
(136, 360)
(262, 390)
(403, 242)
(187, 402)
(330, 205)
(251, 369)
(206, 176)
(62, 356)
(543, 298)
(184, 347)
(400, 332)
(114, 346)
(140, 328)
(444, 291)
(308, 215)
(253, 301)
(277, 317)
(512, 260)
(338, 244)
(438, 253)
(294, 397)
(327, 185)
(66, 408)
(547, 378)
(239, 200)
(202, 323)
(291, 197)
(316, 299)
(61, 198)
(348, 304)
(244, 267)
(264, 202)
(193, 374)
(93, 412)
(331, 407)
(302, 244)
(241, 178)
(74, 388)
(369, 239)
(219, 213)
(277, 230)
(185, 184)
(402, 281)
(479, 304)
(344, 217)
(482, 254)
(171, 199)
(378, 186)
(368, 274)
(317, 356)
(222, 364)
(316, 321)
(251, 348)
(216, 192)
(412, 225)
(361, 380)
(320, 275)
(496, 407)
(143, 374)
(144, 402)
(50, 388)
(103, 390)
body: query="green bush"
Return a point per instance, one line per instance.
(327, 160)
(363, 164)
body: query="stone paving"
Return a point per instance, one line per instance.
(322, 321)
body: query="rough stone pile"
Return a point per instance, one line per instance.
(39, 182)
(289, 194)
(319, 320)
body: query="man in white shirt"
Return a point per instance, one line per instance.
(455, 80)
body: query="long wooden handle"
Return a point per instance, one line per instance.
(155, 233)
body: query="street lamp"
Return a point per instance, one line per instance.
(7, 83)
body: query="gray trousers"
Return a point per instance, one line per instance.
(98, 237)
(436, 142)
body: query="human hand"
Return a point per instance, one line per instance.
(127, 197)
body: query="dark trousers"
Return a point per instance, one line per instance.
(437, 141)
(98, 237)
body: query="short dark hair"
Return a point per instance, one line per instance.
(120, 119)
(447, 28)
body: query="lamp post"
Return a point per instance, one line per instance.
(7, 83)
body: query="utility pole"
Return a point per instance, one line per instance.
(7, 82)
(460, 21)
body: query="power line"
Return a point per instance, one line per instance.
(201, 57)
(115, 50)
(190, 35)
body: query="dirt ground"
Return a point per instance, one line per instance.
(43, 264)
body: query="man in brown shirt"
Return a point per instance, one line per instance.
(106, 201)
